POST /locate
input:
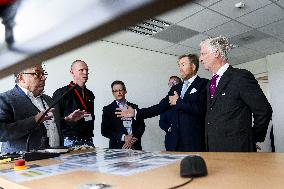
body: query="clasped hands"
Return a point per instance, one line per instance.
(129, 141)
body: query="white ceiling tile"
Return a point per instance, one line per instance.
(228, 29)
(125, 37)
(206, 3)
(263, 16)
(179, 50)
(195, 41)
(204, 20)
(244, 52)
(227, 7)
(153, 44)
(275, 28)
(267, 46)
(181, 13)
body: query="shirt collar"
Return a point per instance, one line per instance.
(191, 79)
(222, 70)
(28, 93)
(123, 103)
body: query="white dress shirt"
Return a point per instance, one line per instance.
(50, 125)
(221, 71)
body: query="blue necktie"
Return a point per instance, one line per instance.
(184, 88)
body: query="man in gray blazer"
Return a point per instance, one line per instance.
(21, 109)
(233, 99)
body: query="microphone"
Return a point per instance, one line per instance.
(193, 166)
(28, 155)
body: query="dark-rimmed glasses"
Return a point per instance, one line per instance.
(37, 74)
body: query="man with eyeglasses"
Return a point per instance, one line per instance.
(122, 133)
(80, 132)
(21, 109)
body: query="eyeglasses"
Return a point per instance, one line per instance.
(38, 74)
(116, 91)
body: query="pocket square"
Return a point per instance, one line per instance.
(193, 90)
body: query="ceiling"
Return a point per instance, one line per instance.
(255, 30)
(46, 29)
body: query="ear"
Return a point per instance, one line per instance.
(217, 53)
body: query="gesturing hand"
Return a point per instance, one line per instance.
(125, 112)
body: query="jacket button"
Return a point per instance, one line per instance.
(208, 123)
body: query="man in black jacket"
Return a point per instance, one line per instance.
(123, 133)
(81, 98)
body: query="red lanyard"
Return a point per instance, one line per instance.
(80, 98)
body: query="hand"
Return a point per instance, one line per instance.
(76, 115)
(173, 99)
(46, 117)
(125, 112)
(127, 144)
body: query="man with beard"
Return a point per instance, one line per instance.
(80, 132)
(189, 101)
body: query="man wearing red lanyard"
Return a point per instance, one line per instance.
(80, 132)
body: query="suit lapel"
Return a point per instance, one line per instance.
(17, 91)
(222, 84)
(192, 85)
(118, 120)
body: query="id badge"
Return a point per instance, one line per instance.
(88, 118)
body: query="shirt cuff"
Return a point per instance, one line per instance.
(135, 113)
(122, 137)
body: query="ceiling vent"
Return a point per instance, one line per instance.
(149, 27)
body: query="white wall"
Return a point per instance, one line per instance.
(275, 69)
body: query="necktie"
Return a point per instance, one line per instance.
(213, 85)
(184, 88)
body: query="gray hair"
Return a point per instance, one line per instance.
(16, 74)
(220, 43)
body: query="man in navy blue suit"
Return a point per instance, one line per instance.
(167, 118)
(188, 99)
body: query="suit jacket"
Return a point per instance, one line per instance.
(229, 114)
(17, 120)
(112, 127)
(187, 127)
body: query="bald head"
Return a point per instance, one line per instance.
(79, 72)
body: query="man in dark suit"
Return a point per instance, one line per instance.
(122, 133)
(167, 119)
(189, 101)
(233, 99)
(21, 109)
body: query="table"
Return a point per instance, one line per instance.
(225, 170)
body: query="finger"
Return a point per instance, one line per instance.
(176, 94)
(52, 110)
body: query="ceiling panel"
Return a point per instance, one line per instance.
(181, 13)
(179, 50)
(126, 37)
(248, 37)
(194, 41)
(227, 7)
(228, 29)
(153, 44)
(208, 18)
(206, 3)
(275, 28)
(263, 16)
(267, 46)
(175, 34)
